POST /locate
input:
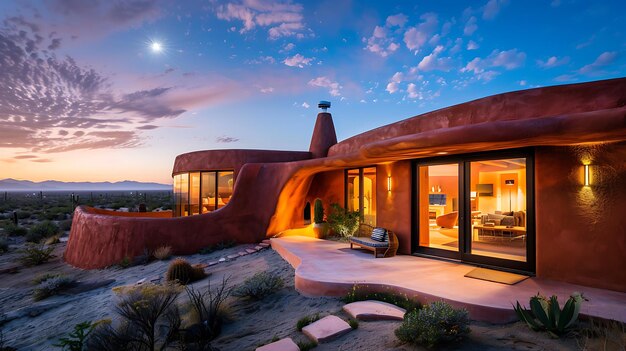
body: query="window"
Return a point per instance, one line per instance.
(202, 192)
(360, 193)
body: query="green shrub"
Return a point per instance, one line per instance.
(364, 293)
(209, 310)
(46, 276)
(182, 272)
(342, 221)
(318, 211)
(52, 286)
(435, 324)
(75, 341)
(546, 314)
(125, 262)
(162, 252)
(42, 230)
(35, 254)
(304, 321)
(14, 230)
(354, 324)
(306, 345)
(259, 286)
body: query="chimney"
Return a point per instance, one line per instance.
(324, 132)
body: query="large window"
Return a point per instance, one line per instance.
(477, 208)
(360, 193)
(202, 192)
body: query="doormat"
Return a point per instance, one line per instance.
(496, 276)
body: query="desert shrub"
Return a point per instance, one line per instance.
(76, 340)
(45, 276)
(602, 335)
(4, 244)
(304, 321)
(52, 286)
(209, 311)
(219, 246)
(181, 271)
(125, 262)
(14, 230)
(42, 230)
(259, 286)
(35, 254)
(434, 324)
(53, 240)
(363, 293)
(354, 324)
(306, 345)
(23, 214)
(342, 221)
(162, 252)
(65, 225)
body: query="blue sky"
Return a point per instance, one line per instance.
(83, 96)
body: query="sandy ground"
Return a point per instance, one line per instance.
(253, 323)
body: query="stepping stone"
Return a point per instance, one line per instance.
(326, 329)
(264, 245)
(141, 281)
(155, 279)
(258, 248)
(250, 251)
(242, 253)
(374, 311)
(230, 257)
(266, 241)
(221, 260)
(285, 344)
(201, 265)
(213, 263)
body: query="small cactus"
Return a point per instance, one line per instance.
(318, 211)
(180, 270)
(546, 314)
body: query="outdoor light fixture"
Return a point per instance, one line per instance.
(389, 183)
(509, 182)
(473, 194)
(587, 182)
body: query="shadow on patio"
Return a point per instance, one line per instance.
(330, 268)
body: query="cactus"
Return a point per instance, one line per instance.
(318, 211)
(181, 271)
(546, 314)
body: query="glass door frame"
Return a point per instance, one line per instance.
(465, 226)
(361, 189)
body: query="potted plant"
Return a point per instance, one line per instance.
(320, 226)
(343, 222)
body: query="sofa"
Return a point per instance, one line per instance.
(514, 218)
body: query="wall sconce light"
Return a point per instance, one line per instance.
(587, 180)
(438, 188)
(389, 184)
(473, 194)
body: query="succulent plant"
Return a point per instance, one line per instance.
(546, 314)
(318, 211)
(180, 270)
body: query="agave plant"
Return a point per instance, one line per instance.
(546, 314)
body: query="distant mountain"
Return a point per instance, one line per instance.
(53, 185)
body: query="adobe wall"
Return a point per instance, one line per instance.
(581, 231)
(329, 187)
(394, 208)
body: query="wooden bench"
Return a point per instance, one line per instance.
(362, 238)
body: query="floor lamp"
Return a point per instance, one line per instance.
(510, 183)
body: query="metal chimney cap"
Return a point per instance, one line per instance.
(324, 105)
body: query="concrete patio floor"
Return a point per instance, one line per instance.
(330, 268)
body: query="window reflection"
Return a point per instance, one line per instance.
(202, 192)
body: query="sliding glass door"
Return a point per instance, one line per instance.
(360, 193)
(476, 208)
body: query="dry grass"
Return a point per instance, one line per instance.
(162, 253)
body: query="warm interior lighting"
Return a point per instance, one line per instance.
(509, 182)
(586, 175)
(389, 183)
(473, 194)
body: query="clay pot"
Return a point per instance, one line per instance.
(321, 230)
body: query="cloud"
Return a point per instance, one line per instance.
(147, 127)
(289, 47)
(298, 60)
(605, 59)
(471, 45)
(379, 43)
(226, 139)
(413, 93)
(470, 26)
(394, 82)
(492, 8)
(416, 37)
(509, 59)
(305, 105)
(283, 18)
(24, 157)
(396, 20)
(325, 82)
(553, 61)
(434, 62)
(267, 90)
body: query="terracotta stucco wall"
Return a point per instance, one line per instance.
(327, 186)
(394, 208)
(581, 231)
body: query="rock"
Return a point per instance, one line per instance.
(326, 329)
(264, 245)
(221, 260)
(374, 310)
(242, 253)
(213, 263)
(285, 344)
(266, 241)
(250, 251)
(233, 256)
(10, 270)
(140, 281)
(258, 248)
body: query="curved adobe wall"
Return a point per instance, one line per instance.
(209, 160)
(98, 240)
(518, 105)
